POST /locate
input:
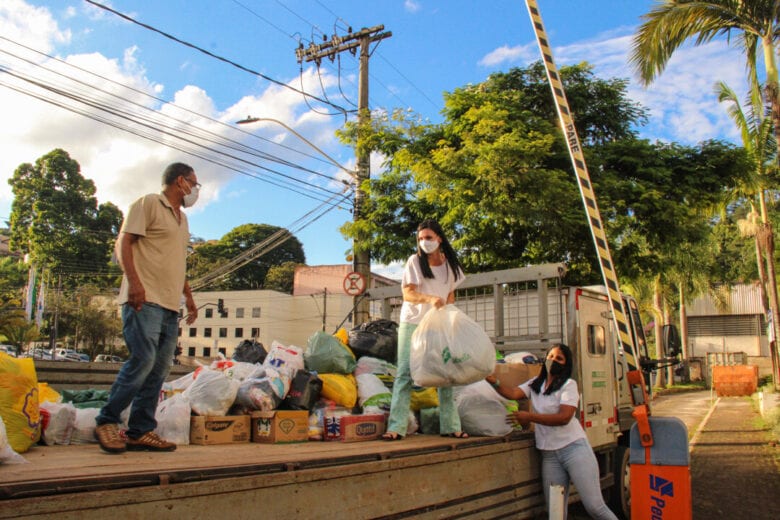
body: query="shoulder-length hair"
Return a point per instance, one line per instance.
(446, 248)
(536, 384)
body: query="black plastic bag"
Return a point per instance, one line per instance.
(377, 339)
(250, 351)
(304, 391)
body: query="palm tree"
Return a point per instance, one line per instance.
(673, 22)
(757, 139)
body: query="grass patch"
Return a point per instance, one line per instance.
(680, 387)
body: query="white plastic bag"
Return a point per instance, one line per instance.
(173, 419)
(449, 349)
(7, 453)
(372, 391)
(284, 358)
(84, 428)
(482, 410)
(62, 421)
(212, 392)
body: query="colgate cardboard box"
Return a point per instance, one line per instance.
(222, 429)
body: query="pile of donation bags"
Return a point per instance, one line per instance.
(338, 388)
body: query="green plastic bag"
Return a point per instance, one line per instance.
(325, 354)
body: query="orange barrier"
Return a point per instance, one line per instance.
(735, 380)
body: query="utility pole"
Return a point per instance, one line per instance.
(361, 256)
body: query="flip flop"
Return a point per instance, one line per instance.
(456, 435)
(392, 436)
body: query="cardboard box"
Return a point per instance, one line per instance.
(353, 428)
(213, 429)
(516, 373)
(280, 426)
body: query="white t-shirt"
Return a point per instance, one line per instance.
(555, 437)
(441, 285)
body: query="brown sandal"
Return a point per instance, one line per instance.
(392, 436)
(456, 435)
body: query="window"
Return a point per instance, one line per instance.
(255, 312)
(193, 332)
(239, 332)
(191, 351)
(224, 313)
(207, 332)
(255, 332)
(206, 351)
(223, 351)
(209, 313)
(597, 344)
(179, 331)
(239, 312)
(223, 332)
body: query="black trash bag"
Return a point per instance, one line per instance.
(304, 391)
(250, 351)
(377, 339)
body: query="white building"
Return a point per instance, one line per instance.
(319, 302)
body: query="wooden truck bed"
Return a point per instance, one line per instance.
(423, 476)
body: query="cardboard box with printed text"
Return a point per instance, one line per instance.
(280, 426)
(212, 429)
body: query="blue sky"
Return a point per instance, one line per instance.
(436, 46)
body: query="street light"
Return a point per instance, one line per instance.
(249, 119)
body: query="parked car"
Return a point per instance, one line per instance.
(8, 349)
(106, 358)
(38, 353)
(68, 354)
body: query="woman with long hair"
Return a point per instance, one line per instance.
(429, 281)
(566, 453)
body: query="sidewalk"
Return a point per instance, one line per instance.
(734, 469)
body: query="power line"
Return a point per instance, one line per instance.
(215, 56)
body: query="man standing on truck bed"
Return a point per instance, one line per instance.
(152, 251)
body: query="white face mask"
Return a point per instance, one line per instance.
(192, 197)
(429, 246)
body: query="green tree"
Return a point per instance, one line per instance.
(495, 172)
(281, 277)
(244, 254)
(55, 218)
(13, 276)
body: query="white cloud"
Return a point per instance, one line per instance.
(509, 55)
(680, 101)
(412, 6)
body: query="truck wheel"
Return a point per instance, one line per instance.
(620, 494)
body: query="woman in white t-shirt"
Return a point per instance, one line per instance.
(429, 281)
(566, 454)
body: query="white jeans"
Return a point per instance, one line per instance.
(575, 463)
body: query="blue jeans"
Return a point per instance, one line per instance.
(575, 462)
(150, 335)
(449, 420)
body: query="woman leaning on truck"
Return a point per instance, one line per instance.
(566, 454)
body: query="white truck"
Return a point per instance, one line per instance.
(423, 476)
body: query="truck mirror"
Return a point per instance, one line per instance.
(670, 341)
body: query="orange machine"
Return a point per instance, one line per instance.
(660, 462)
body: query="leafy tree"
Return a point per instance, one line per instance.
(18, 331)
(88, 318)
(13, 275)
(498, 176)
(281, 277)
(254, 247)
(55, 218)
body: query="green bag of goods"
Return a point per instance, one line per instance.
(325, 354)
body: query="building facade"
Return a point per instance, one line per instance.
(318, 302)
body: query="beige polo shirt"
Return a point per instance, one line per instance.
(160, 253)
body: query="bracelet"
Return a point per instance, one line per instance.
(496, 384)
